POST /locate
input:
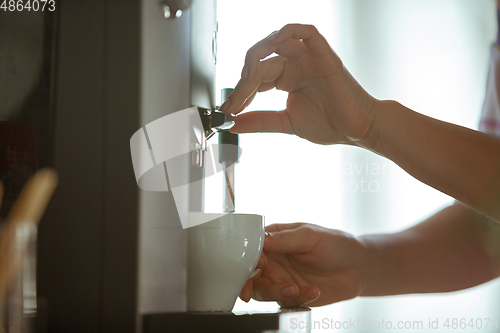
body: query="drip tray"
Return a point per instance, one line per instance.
(284, 320)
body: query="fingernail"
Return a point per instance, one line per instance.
(245, 72)
(288, 291)
(274, 35)
(267, 234)
(312, 293)
(225, 105)
(260, 263)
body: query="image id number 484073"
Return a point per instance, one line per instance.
(27, 5)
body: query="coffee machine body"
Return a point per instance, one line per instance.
(110, 252)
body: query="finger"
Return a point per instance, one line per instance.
(263, 121)
(283, 226)
(262, 261)
(309, 35)
(296, 241)
(306, 295)
(248, 101)
(268, 71)
(289, 48)
(268, 85)
(263, 87)
(265, 290)
(246, 292)
(287, 294)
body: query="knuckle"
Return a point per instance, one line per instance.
(249, 54)
(307, 231)
(309, 234)
(312, 28)
(289, 26)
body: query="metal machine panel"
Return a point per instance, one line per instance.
(177, 71)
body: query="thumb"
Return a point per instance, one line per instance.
(263, 121)
(300, 240)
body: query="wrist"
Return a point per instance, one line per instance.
(383, 123)
(372, 269)
(372, 135)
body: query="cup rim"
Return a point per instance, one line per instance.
(260, 219)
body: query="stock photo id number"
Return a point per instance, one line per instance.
(28, 5)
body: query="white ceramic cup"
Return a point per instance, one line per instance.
(222, 256)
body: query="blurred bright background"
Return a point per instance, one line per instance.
(430, 55)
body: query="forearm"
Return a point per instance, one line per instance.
(458, 161)
(450, 251)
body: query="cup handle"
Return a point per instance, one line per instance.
(255, 272)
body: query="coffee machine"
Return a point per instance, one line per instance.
(111, 256)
